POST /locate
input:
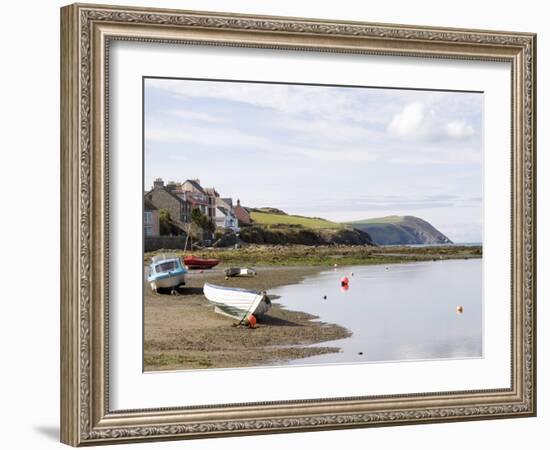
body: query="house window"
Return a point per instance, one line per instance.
(148, 231)
(148, 217)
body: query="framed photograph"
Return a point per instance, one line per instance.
(276, 224)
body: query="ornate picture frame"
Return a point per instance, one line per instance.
(87, 32)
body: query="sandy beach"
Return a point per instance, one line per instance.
(183, 332)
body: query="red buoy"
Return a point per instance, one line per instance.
(344, 281)
(251, 321)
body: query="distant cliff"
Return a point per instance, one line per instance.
(400, 230)
(283, 234)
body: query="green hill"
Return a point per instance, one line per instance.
(270, 216)
(400, 230)
(271, 226)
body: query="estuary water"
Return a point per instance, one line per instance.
(397, 312)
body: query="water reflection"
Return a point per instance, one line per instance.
(427, 310)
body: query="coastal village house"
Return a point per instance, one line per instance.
(192, 191)
(180, 199)
(202, 198)
(151, 223)
(162, 197)
(225, 214)
(212, 195)
(242, 215)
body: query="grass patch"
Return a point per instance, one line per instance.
(301, 255)
(388, 220)
(264, 218)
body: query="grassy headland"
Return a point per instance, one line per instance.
(271, 226)
(272, 218)
(400, 230)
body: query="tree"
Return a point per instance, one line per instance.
(198, 218)
(202, 221)
(165, 221)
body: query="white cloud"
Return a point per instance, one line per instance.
(416, 121)
(412, 121)
(192, 134)
(198, 116)
(287, 99)
(309, 143)
(189, 135)
(459, 129)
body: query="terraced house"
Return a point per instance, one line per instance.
(151, 223)
(225, 214)
(162, 197)
(180, 199)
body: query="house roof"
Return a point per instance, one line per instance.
(242, 214)
(227, 201)
(223, 210)
(195, 185)
(148, 206)
(212, 191)
(181, 200)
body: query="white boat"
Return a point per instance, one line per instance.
(235, 302)
(240, 272)
(166, 272)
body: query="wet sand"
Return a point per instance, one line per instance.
(183, 331)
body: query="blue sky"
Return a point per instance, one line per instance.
(342, 153)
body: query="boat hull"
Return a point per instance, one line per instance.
(240, 272)
(165, 272)
(197, 263)
(168, 282)
(236, 303)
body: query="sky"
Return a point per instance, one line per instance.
(341, 153)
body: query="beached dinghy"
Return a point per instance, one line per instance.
(193, 262)
(166, 272)
(239, 272)
(237, 303)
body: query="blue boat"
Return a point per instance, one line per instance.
(166, 272)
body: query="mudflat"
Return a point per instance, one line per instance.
(183, 331)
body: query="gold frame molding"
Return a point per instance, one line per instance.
(86, 31)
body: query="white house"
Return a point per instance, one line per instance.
(226, 219)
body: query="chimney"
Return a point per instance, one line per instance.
(158, 183)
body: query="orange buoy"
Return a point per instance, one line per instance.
(251, 321)
(344, 281)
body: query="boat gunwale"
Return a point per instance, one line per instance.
(217, 286)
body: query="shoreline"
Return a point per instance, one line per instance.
(327, 255)
(184, 333)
